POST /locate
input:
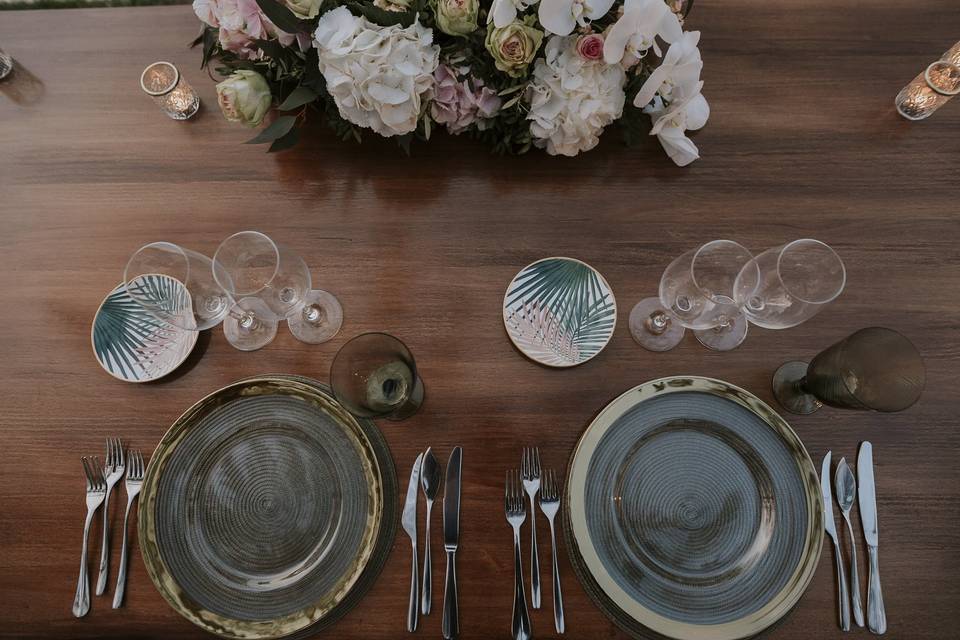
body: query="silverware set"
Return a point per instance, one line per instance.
(100, 482)
(532, 480)
(425, 477)
(849, 490)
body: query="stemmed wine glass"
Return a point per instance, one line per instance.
(797, 280)
(177, 285)
(270, 283)
(696, 292)
(872, 369)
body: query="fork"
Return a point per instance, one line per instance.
(530, 470)
(96, 492)
(516, 513)
(112, 471)
(550, 504)
(132, 483)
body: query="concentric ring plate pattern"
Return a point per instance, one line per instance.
(261, 508)
(694, 510)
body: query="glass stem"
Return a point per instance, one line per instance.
(658, 322)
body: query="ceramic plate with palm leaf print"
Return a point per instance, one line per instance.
(132, 344)
(559, 312)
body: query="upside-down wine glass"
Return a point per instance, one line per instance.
(696, 292)
(269, 283)
(872, 369)
(177, 285)
(797, 280)
(374, 375)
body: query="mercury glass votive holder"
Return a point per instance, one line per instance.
(173, 94)
(929, 91)
(952, 54)
(6, 64)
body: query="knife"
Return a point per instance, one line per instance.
(867, 494)
(830, 525)
(409, 522)
(451, 539)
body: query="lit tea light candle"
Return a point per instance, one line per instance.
(930, 90)
(173, 94)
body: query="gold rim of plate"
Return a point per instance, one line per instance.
(575, 520)
(159, 572)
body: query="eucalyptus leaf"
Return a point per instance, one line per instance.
(289, 140)
(277, 129)
(282, 17)
(380, 16)
(298, 97)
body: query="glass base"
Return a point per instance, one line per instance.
(247, 326)
(653, 327)
(412, 405)
(788, 391)
(724, 338)
(318, 320)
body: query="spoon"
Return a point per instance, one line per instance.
(846, 487)
(430, 483)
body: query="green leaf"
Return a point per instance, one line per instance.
(404, 142)
(285, 142)
(210, 41)
(281, 16)
(298, 97)
(277, 129)
(380, 16)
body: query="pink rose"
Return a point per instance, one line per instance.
(590, 46)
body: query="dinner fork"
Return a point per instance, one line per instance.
(132, 483)
(516, 514)
(550, 504)
(96, 492)
(112, 471)
(530, 469)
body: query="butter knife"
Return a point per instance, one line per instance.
(409, 522)
(830, 525)
(451, 540)
(867, 494)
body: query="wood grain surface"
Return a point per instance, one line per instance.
(803, 141)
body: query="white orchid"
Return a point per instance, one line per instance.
(562, 16)
(677, 76)
(637, 29)
(503, 12)
(671, 122)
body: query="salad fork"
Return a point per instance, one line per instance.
(112, 471)
(550, 504)
(516, 513)
(96, 492)
(530, 469)
(133, 482)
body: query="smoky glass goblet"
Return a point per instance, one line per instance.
(374, 375)
(697, 292)
(874, 369)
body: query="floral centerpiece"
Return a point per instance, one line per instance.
(517, 74)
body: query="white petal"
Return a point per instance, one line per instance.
(596, 9)
(556, 16)
(619, 35)
(502, 13)
(650, 87)
(678, 146)
(697, 112)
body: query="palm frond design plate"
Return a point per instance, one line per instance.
(559, 312)
(132, 344)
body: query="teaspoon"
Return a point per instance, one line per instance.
(846, 487)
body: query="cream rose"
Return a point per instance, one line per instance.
(244, 97)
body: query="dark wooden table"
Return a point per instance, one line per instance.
(803, 141)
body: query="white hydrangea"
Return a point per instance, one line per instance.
(377, 75)
(572, 99)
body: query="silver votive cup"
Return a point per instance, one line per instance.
(6, 64)
(173, 94)
(952, 54)
(930, 90)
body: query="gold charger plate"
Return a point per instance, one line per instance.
(693, 511)
(261, 509)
